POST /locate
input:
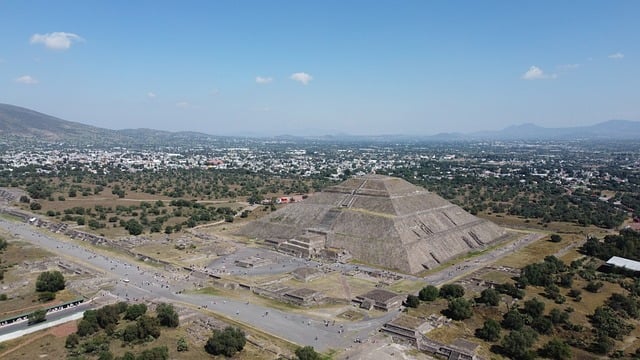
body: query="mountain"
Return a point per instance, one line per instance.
(608, 130)
(19, 122)
(22, 122)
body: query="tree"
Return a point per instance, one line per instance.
(557, 316)
(50, 281)
(513, 320)
(35, 206)
(609, 323)
(167, 315)
(450, 291)
(412, 301)
(556, 238)
(542, 325)
(489, 297)
(490, 331)
(307, 353)
(459, 309)
(594, 286)
(37, 316)
(134, 227)
(148, 326)
(518, 342)
(534, 307)
(556, 349)
(135, 311)
(428, 293)
(226, 342)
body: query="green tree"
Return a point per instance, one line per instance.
(428, 293)
(37, 316)
(50, 281)
(489, 297)
(542, 325)
(490, 331)
(534, 307)
(517, 344)
(167, 315)
(307, 353)
(412, 301)
(609, 323)
(459, 309)
(450, 291)
(135, 311)
(513, 320)
(134, 227)
(226, 342)
(556, 238)
(556, 349)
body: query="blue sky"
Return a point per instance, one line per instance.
(300, 67)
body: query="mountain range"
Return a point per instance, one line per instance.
(19, 122)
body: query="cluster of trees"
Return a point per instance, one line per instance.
(226, 342)
(48, 284)
(458, 307)
(625, 244)
(525, 324)
(140, 327)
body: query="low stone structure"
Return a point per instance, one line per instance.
(407, 327)
(380, 299)
(306, 274)
(253, 261)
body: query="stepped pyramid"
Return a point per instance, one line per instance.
(379, 220)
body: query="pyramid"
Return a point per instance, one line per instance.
(379, 220)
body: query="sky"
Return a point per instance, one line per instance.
(322, 67)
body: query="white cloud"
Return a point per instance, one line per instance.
(183, 104)
(535, 73)
(26, 79)
(616, 56)
(302, 77)
(56, 40)
(151, 95)
(263, 80)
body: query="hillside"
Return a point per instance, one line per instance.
(22, 122)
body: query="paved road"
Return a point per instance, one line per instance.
(480, 261)
(52, 317)
(135, 282)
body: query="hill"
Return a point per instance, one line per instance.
(21, 122)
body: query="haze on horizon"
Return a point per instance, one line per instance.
(357, 67)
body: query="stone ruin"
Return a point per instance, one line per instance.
(379, 220)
